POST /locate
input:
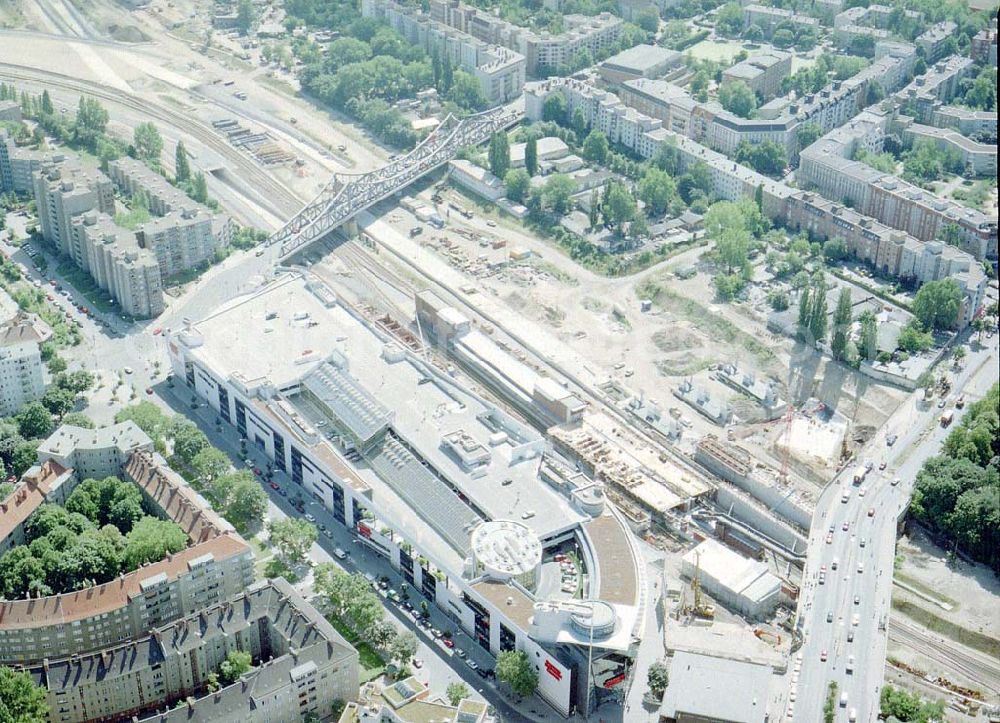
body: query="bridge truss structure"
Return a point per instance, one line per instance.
(346, 195)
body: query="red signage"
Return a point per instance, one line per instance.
(612, 682)
(364, 530)
(553, 670)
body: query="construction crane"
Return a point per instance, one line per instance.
(700, 610)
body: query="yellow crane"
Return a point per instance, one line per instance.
(701, 610)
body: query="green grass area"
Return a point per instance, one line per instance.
(717, 327)
(976, 194)
(276, 84)
(84, 284)
(372, 665)
(925, 589)
(936, 624)
(133, 218)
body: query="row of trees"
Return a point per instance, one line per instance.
(350, 598)
(735, 226)
(21, 701)
(957, 493)
(101, 532)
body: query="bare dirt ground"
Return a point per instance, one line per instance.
(685, 335)
(971, 591)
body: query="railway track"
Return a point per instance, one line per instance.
(268, 192)
(979, 670)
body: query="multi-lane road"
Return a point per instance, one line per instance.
(844, 618)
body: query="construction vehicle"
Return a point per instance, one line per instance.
(762, 634)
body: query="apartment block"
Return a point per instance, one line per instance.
(983, 48)
(541, 50)
(21, 378)
(180, 240)
(216, 565)
(762, 72)
(302, 666)
(130, 273)
(769, 18)
(644, 135)
(64, 190)
(826, 166)
(940, 84)
(978, 159)
(966, 121)
(18, 165)
(778, 120)
(934, 42)
(499, 70)
(892, 252)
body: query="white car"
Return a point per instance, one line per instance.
(861, 491)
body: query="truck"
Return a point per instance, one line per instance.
(947, 418)
(860, 472)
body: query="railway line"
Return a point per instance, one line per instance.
(977, 669)
(266, 191)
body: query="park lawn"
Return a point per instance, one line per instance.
(372, 665)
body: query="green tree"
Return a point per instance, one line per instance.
(950, 233)
(595, 147)
(148, 417)
(619, 206)
(517, 181)
(457, 691)
(578, 122)
(245, 504)
(404, 647)
(657, 190)
(236, 664)
(47, 107)
(75, 382)
(898, 703)
(91, 121)
(558, 191)
(447, 73)
(466, 92)
(21, 701)
(188, 439)
(515, 669)
(199, 188)
(22, 457)
(58, 401)
(842, 320)
(246, 16)
(737, 98)
(148, 142)
(913, 338)
(531, 156)
(817, 319)
(658, 678)
(648, 19)
(869, 335)
(807, 134)
(982, 93)
(729, 20)
(805, 314)
(937, 304)
(107, 501)
(182, 167)
(699, 85)
(34, 421)
(151, 540)
(499, 154)
(554, 109)
(292, 538)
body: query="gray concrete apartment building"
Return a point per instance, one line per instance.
(21, 378)
(64, 190)
(119, 265)
(18, 165)
(541, 50)
(303, 666)
(499, 70)
(762, 72)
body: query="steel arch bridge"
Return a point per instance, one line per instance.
(347, 195)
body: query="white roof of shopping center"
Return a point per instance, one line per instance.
(495, 465)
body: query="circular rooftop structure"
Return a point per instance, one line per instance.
(504, 550)
(597, 620)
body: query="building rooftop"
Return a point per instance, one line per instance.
(412, 466)
(67, 439)
(749, 578)
(716, 689)
(641, 59)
